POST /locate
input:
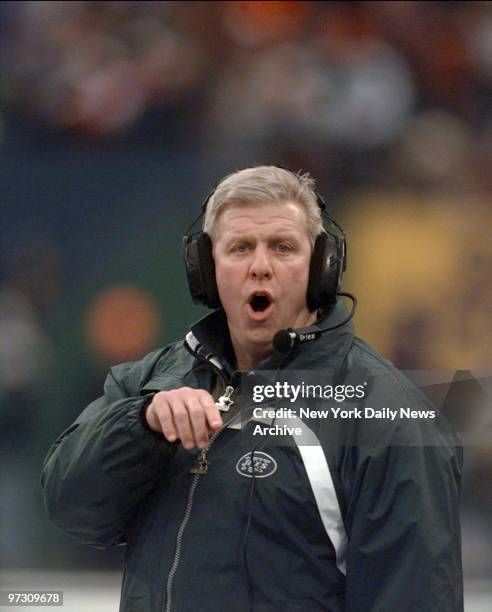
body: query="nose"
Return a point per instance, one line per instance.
(261, 268)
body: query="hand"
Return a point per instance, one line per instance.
(188, 414)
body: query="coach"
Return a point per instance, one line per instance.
(355, 515)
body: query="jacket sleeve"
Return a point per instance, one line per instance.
(102, 467)
(404, 550)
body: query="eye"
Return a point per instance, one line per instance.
(283, 248)
(239, 247)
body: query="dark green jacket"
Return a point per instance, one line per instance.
(355, 514)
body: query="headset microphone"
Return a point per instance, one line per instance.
(287, 339)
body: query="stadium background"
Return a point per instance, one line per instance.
(117, 118)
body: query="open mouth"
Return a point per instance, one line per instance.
(259, 302)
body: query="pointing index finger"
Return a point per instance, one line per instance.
(212, 412)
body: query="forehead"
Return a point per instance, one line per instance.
(263, 218)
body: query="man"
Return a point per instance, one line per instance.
(349, 514)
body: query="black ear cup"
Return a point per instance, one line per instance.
(200, 270)
(325, 271)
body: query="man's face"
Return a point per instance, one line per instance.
(262, 255)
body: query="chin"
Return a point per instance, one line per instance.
(261, 340)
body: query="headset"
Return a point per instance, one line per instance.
(328, 263)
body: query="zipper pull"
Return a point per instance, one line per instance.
(225, 402)
(200, 466)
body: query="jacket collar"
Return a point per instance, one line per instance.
(209, 340)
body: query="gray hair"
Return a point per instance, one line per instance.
(264, 185)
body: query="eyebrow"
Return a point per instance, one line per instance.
(287, 235)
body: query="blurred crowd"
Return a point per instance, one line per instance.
(387, 104)
(322, 83)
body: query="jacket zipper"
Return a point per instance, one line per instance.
(199, 467)
(224, 403)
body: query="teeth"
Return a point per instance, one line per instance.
(255, 295)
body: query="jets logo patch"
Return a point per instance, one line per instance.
(264, 465)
